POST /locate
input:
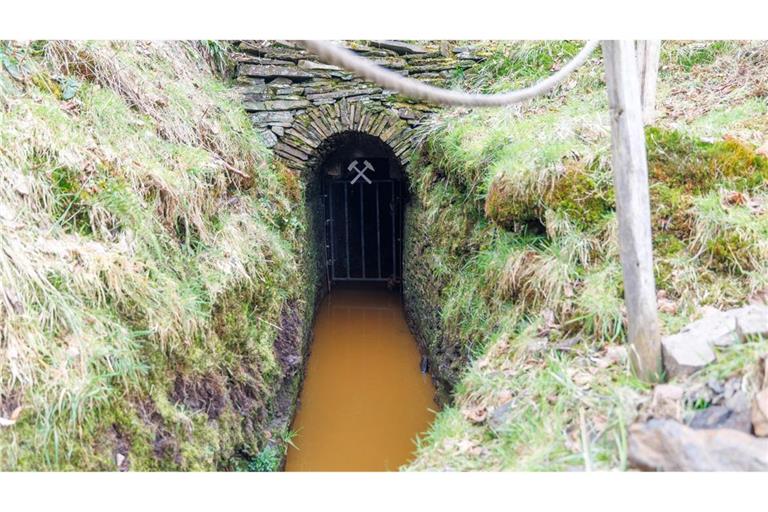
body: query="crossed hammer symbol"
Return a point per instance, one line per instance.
(360, 172)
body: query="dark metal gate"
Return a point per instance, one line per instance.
(363, 230)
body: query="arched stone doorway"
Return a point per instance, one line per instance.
(362, 189)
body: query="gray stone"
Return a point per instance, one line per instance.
(500, 415)
(711, 417)
(280, 82)
(759, 413)
(751, 321)
(285, 148)
(685, 354)
(255, 86)
(271, 50)
(246, 58)
(666, 401)
(666, 445)
(390, 62)
(289, 91)
(718, 328)
(269, 138)
(271, 71)
(399, 47)
(343, 75)
(719, 416)
(273, 105)
(310, 64)
(435, 65)
(252, 97)
(469, 56)
(737, 402)
(345, 93)
(272, 117)
(278, 130)
(369, 51)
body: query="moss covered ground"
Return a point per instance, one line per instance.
(512, 270)
(153, 299)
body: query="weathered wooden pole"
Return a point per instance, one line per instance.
(630, 179)
(648, 53)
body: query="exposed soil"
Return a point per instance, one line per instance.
(122, 448)
(165, 446)
(288, 344)
(204, 394)
(247, 400)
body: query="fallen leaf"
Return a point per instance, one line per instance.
(667, 306)
(476, 414)
(735, 198)
(582, 379)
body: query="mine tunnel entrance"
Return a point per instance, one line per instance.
(362, 188)
(366, 393)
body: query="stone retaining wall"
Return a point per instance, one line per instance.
(297, 102)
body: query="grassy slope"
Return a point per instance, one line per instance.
(513, 268)
(150, 254)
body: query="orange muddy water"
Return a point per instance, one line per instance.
(364, 400)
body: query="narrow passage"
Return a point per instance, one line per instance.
(364, 400)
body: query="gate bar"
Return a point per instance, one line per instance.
(330, 210)
(394, 233)
(362, 231)
(346, 225)
(378, 233)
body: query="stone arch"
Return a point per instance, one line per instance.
(302, 146)
(296, 102)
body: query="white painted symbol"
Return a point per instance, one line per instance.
(360, 172)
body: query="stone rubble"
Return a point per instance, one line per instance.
(730, 432)
(693, 348)
(666, 445)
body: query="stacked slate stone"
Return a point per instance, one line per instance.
(297, 102)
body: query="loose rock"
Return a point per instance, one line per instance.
(666, 445)
(751, 321)
(760, 414)
(716, 327)
(685, 354)
(667, 402)
(719, 416)
(498, 418)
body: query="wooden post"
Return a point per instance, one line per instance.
(648, 53)
(630, 178)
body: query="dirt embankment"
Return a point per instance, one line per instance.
(155, 299)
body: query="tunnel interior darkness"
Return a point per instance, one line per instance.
(362, 191)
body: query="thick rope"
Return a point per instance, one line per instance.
(344, 58)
